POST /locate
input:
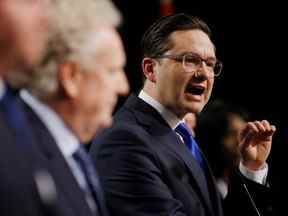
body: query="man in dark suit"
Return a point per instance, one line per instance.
(23, 31)
(52, 173)
(145, 166)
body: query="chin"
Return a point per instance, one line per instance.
(194, 108)
(85, 138)
(105, 123)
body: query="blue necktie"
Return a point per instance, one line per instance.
(85, 163)
(183, 130)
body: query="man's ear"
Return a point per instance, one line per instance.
(70, 78)
(148, 67)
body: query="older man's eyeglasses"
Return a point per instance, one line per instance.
(191, 62)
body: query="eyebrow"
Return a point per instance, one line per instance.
(192, 53)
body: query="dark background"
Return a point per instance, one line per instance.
(251, 42)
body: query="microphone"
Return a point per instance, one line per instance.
(248, 193)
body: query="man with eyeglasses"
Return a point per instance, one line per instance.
(148, 160)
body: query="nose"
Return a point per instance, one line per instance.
(203, 72)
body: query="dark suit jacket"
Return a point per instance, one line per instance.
(19, 170)
(146, 170)
(18, 194)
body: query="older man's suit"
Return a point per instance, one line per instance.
(71, 199)
(21, 169)
(147, 170)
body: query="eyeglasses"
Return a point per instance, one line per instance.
(191, 62)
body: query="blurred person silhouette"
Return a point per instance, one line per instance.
(148, 161)
(24, 27)
(223, 123)
(68, 96)
(218, 132)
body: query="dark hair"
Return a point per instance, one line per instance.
(155, 40)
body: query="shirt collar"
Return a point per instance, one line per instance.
(64, 138)
(169, 116)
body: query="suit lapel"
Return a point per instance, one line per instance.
(173, 143)
(101, 199)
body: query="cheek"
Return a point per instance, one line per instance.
(91, 106)
(6, 26)
(175, 94)
(98, 91)
(35, 22)
(171, 81)
(6, 34)
(16, 18)
(89, 93)
(22, 32)
(30, 28)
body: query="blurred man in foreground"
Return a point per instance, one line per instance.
(81, 71)
(23, 33)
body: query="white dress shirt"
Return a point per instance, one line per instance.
(258, 176)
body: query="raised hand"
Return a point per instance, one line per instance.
(255, 142)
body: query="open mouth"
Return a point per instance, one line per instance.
(195, 90)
